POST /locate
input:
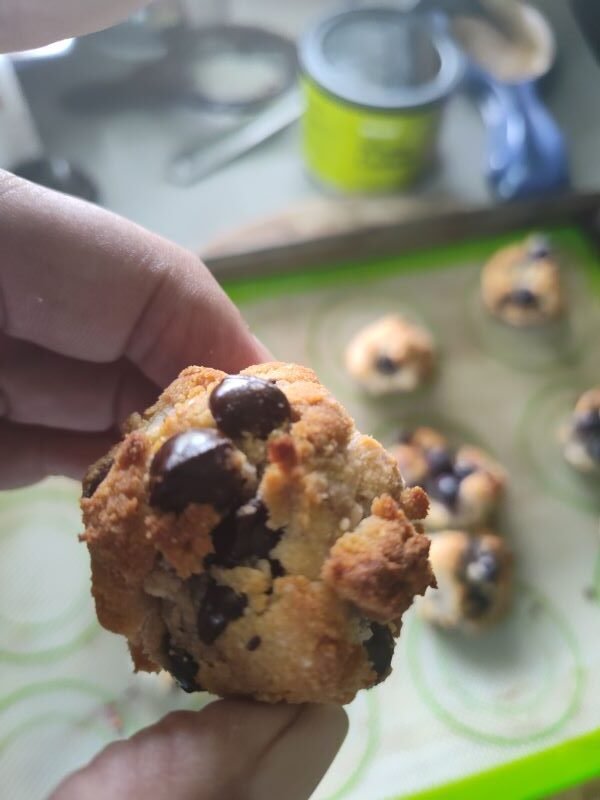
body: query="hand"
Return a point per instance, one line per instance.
(232, 750)
(95, 315)
(32, 23)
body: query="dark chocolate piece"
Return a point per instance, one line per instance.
(439, 460)
(244, 534)
(380, 648)
(523, 297)
(445, 488)
(219, 606)
(95, 475)
(587, 427)
(244, 404)
(195, 467)
(539, 247)
(182, 667)
(253, 643)
(386, 365)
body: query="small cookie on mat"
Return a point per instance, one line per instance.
(464, 484)
(521, 283)
(390, 355)
(581, 436)
(245, 537)
(474, 580)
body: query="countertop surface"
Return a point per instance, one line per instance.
(127, 152)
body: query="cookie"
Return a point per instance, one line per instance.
(390, 355)
(464, 484)
(581, 435)
(521, 284)
(245, 537)
(474, 575)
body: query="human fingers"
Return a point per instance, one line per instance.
(232, 750)
(88, 284)
(30, 453)
(31, 23)
(38, 387)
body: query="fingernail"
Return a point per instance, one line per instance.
(297, 761)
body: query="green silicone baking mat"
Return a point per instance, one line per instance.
(512, 714)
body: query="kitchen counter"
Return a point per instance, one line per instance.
(127, 152)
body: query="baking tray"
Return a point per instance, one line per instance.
(513, 714)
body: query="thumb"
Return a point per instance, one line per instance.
(231, 750)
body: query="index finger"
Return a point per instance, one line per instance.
(88, 284)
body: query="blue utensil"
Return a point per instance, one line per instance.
(526, 150)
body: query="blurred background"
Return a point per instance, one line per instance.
(150, 111)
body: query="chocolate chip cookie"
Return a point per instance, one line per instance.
(521, 284)
(245, 537)
(391, 355)
(464, 484)
(474, 580)
(581, 436)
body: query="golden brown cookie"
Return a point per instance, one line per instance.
(464, 484)
(247, 538)
(581, 436)
(391, 355)
(474, 580)
(521, 283)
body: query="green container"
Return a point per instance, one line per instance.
(374, 81)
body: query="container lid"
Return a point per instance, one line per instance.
(382, 58)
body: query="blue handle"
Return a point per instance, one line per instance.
(526, 149)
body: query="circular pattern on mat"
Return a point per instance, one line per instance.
(535, 349)
(69, 718)
(357, 751)
(340, 317)
(513, 684)
(538, 437)
(46, 610)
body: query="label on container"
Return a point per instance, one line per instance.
(360, 149)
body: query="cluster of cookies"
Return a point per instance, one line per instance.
(246, 538)
(522, 286)
(473, 567)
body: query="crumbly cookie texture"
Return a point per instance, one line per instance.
(245, 537)
(474, 574)
(391, 355)
(581, 435)
(521, 283)
(464, 484)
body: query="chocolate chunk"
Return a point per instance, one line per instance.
(523, 297)
(587, 427)
(277, 569)
(481, 565)
(462, 470)
(439, 460)
(195, 467)
(478, 602)
(539, 247)
(445, 488)
(182, 667)
(244, 404)
(380, 648)
(387, 365)
(253, 643)
(219, 606)
(95, 475)
(244, 534)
